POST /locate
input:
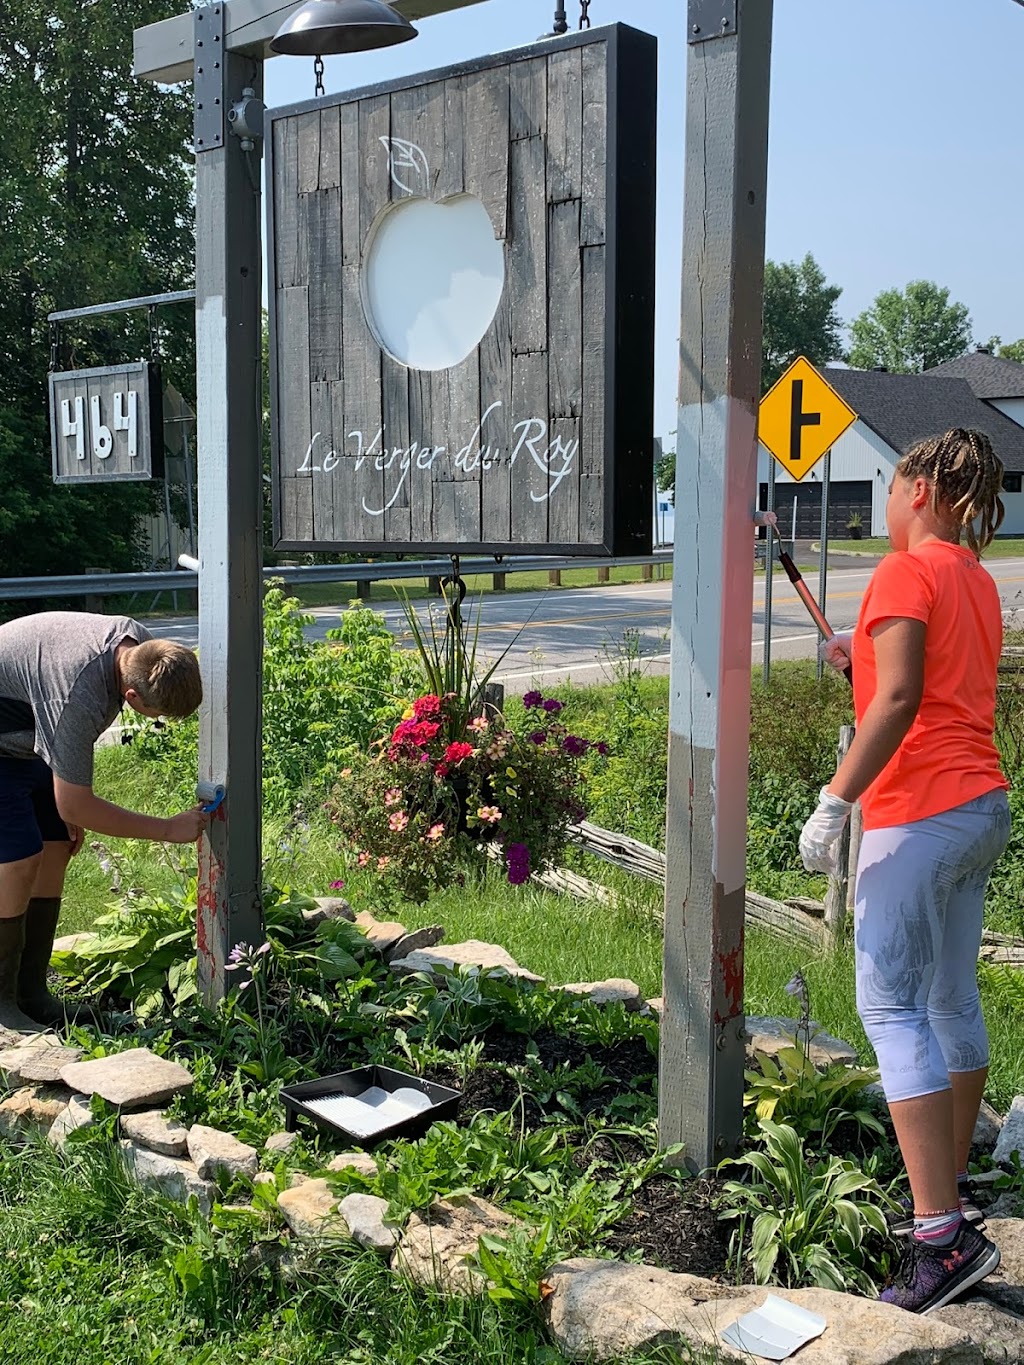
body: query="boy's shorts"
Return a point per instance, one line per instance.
(28, 810)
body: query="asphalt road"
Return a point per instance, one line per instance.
(578, 634)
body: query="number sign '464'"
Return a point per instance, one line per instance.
(106, 425)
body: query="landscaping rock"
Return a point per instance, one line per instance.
(474, 955)
(78, 1114)
(657, 1006)
(279, 1144)
(603, 1310)
(1007, 1205)
(435, 1246)
(36, 1060)
(1011, 1136)
(32, 1110)
(365, 1216)
(329, 907)
(151, 1128)
(988, 1128)
(1006, 1287)
(615, 991)
(219, 1156)
(311, 1211)
(414, 942)
(135, 1079)
(168, 1175)
(361, 1162)
(769, 1036)
(999, 1333)
(381, 935)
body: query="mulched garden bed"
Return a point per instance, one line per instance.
(676, 1227)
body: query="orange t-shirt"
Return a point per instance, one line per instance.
(948, 756)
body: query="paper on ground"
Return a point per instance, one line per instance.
(775, 1330)
(372, 1111)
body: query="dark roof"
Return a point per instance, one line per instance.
(906, 408)
(990, 376)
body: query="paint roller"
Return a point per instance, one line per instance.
(813, 610)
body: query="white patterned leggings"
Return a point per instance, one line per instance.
(918, 923)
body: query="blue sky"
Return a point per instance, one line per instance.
(895, 145)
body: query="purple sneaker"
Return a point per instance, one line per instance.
(930, 1276)
(904, 1225)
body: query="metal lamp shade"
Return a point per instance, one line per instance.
(322, 28)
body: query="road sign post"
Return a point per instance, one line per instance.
(826, 488)
(769, 576)
(702, 1038)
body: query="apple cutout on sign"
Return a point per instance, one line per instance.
(434, 272)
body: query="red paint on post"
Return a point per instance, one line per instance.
(731, 965)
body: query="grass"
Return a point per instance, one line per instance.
(1010, 547)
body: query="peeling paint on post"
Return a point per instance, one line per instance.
(702, 1039)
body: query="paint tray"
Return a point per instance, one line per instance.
(370, 1105)
(775, 1330)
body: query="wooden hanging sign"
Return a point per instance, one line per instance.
(106, 424)
(462, 306)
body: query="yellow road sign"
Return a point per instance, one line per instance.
(802, 417)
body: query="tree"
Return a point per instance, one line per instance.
(910, 330)
(665, 474)
(1013, 350)
(800, 317)
(96, 200)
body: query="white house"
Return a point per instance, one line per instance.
(895, 411)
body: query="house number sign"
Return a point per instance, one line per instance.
(106, 424)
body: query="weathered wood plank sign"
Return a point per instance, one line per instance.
(462, 306)
(106, 424)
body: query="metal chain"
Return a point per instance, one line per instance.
(318, 71)
(584, 14)
(154, 335)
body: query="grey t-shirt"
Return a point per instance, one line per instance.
(58, 687)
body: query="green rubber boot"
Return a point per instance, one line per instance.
(34, 994)
(12, 944)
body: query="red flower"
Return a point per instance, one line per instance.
(425, 731)
(441, 770)
(426, 706)
(455, 753)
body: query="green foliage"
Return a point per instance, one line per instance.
(910, 330)
(96, 201)
(788, 1088)
(800, 317)
(322, 703)
(806, 1226)
(1012, 350)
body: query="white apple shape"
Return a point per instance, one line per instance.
(432, 280)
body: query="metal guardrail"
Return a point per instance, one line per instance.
(182, 580)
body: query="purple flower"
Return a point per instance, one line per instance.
(552, 706)
(602, 749)
(533, 699)
(518, 858)
(574, 746)
(538, 737)
(518, 875)
(336, 886)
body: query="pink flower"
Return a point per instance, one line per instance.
(398, 821)
(364, 859)
(346, 772)
(435, 832)
(456, 752)
(382, 864)
(336, 886)
(478, 725)
(490, 815)
(392, 796)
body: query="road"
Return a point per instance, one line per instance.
(550, 637)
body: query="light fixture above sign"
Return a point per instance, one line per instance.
(461, 288)
(325, 28)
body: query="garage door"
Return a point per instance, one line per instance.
(843, 500)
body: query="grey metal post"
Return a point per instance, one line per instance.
(826, 483)
(228, 270)
(769, 575)
(702, 1035)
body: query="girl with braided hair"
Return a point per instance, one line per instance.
(925, 768)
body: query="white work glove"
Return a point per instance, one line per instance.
(837, 652)
(820, 836)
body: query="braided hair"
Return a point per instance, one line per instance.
(966, 476)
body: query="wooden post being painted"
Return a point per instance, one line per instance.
(836, 897)
(702, 1040)
(221, 48)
